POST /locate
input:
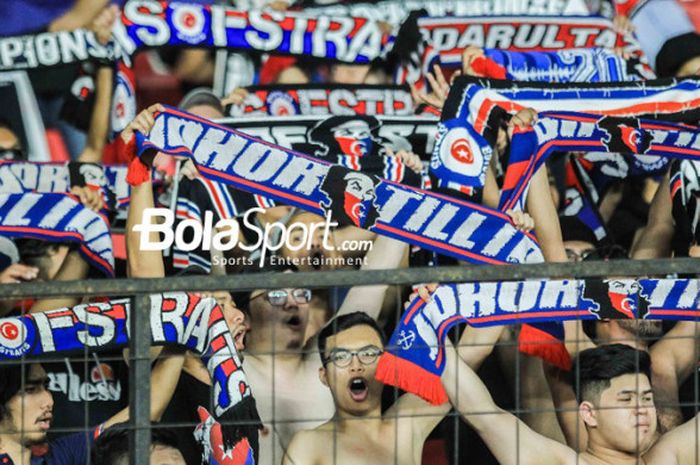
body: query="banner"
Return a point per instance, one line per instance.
(481, 101)
(569, 65)
(324, 100)
(58, 218)
(395, 11)
(148, 24)
(154, 24)
(414, 359)
(450, 36)
(449, 226)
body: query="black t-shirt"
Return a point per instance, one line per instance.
(96, 387)
(73, 449)
(190, 393)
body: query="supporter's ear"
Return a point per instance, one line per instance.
(588, 414)
(323, 376)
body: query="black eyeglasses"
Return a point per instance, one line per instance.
(278, 297)
(608, 252)
(343, 357)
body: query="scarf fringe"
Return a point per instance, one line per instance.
(401, 373)
(538, 343)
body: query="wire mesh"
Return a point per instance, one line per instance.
(294, 399)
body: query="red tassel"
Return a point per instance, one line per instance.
(406, 375)
(540, 344)
(486, 67)
(138, 172)
(125, 150)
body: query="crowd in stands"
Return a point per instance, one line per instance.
(310, 356)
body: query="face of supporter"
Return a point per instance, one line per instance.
(349, 74)
(576, 250)
(304, 245)
(8, 140)
(292, 75)
(29, 412)
(205, 111)
(281, 325)
(235, 318)
(624, 418)
(354, 388)
(163, 455)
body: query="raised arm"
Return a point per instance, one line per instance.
(141, 263)
(655, 239)
(674, 357)
(474, 346)
(73, 268)
(678, 447)
(509, 439)
(386, 254)
(164, 378)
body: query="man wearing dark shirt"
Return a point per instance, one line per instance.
(26, 413)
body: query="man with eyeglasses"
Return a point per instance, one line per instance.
(350, 346)
(282, 369)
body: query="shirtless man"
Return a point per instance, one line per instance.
(358, 433)
(616, 404)
(281, 361)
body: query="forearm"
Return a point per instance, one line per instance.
(541, 207)
(73, 268)
(386, 254)
(80, 15)
(164, 378)
(99, 121)
(142, 263)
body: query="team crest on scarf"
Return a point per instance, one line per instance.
(347, 135)
(624, 136)
(616, 298)
(356, 191)
(461, 155)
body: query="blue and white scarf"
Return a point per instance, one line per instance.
(449, 226)
(58, 218)
(481, 101)
(177, 318)
(568, 65)
(395, 12)
(324, 100)
(561, 132)
(414, 359)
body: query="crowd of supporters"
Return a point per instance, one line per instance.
(310, 355)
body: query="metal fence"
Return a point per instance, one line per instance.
(140, 363)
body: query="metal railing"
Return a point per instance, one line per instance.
(139, 344)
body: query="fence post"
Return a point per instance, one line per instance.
(140, 380)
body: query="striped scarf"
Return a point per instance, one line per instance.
(414, 359)
(180, 319)
(460, 229)
(58, 218)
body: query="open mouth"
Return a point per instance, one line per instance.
(359, 390)
(44, 423)
(317, 259)
(239, 339)
(294, 322)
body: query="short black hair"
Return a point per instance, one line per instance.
(342, 323)
(11, 379)
(594, 368)
(590, 329)
(112, 446)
